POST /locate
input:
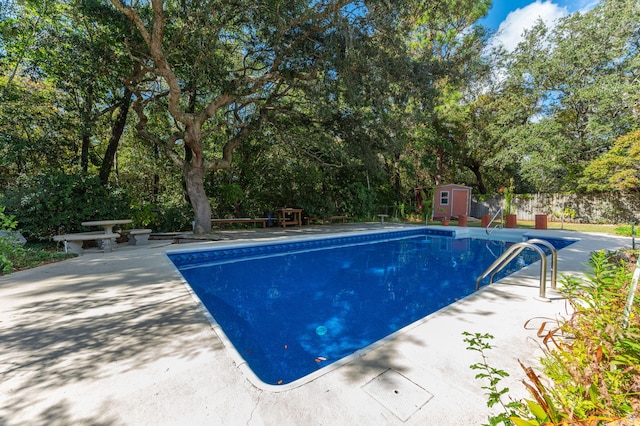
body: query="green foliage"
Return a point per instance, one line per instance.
(566, 213)
(9, 250)
(508, 196)
(356, 201)
(7, 222)
(335, 112)
(597, 372)
(427, 203)
(174, 217)
(169, 216)
(592, 358)
(229, 198)
(568, 95)
(13, 258)
(34, 135)
(617, 169)
(47, 205)
(144, 214)
(628, 230)
(480, 343)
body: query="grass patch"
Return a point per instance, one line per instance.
(17, 258)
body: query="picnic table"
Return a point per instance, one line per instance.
(105, 239)
(289, 216)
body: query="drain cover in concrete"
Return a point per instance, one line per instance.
(397, 393)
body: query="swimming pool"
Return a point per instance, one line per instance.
(291, 309)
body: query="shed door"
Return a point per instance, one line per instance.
(460, 202)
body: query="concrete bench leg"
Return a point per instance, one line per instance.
(106, 245)
(73, 247)
(142, 239)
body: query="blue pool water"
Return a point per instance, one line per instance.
(290, 309)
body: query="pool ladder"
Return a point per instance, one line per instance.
(515, 250)
(488, 229)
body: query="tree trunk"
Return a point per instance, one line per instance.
(84, 150)
(114, 140)
(439, 165)
(475, 169)
(87, 128)
(194, 182)
(397, 183)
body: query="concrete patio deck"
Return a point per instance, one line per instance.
(117, 339)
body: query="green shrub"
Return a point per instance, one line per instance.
(51, 204)
(592, 358)
(174, 217)
(357, 201)
(597, 371)
(9, 250)
(145, 215)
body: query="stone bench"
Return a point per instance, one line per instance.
(73, 242)
(138, 237)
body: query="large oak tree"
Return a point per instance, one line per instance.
(217, 69)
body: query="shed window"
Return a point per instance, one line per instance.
(444, 198)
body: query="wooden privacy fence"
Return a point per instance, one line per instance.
(588, 208)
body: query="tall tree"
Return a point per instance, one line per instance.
(581, 80)
(220, 69)
(72, 46)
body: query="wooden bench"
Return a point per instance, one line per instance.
(137, 237)
(73, 242)
(332, 218)
(322, 220)
(262, 220)
(309, 220)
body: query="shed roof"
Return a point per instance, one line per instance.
(452, 185)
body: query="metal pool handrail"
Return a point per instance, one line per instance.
(491, 221)
(554, 258)
(512, 252)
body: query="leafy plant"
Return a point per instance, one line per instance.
(144, 214)
(592, 358)
(567, 212)
(9, 250)
(14, 256)
(175, 217)
(508, 196)
(597, 371)
(480, 342)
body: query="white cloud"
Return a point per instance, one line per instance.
(511, 29)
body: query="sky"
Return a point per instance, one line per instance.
(511, 17)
